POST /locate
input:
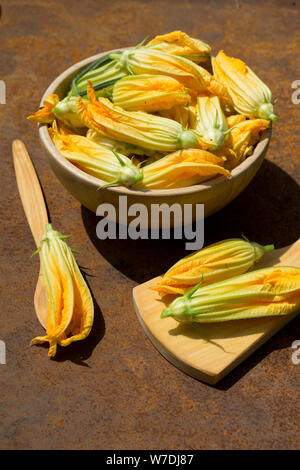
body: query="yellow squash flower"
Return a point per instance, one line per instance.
(70, 305)
(249, 95)
(96, 160)
(180, 169)
(243, 136)
(120, 147)
(234, 119)
(149, 93)
(179, 114)
(45, 114)
(145, 60)
(215, 263)
(179, 43)
(66, 112)
(135, 127)
(66, 109)
(103, 73)
(211, 123)
(266, 292)
(110, 68)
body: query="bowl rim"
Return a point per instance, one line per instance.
(92, 180)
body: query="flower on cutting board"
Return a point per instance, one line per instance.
(267, 292)
(214, 263)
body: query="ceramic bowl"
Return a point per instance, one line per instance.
(214, 194)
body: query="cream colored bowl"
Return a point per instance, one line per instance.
(214, 194)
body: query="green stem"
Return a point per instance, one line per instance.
(167, 312)
(122, 163)
(189, 294)
(268, 247)
(107, 185)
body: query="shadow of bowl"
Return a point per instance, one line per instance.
(268, 211)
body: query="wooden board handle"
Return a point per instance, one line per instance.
(30, 191)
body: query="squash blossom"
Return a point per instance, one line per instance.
(103, 73)
(211, 123)
(234, 119)
(135, 127)
(249, 95)
(70, 305)
(266, 292)
(149, 93)
(180, 44)
(120, 147)
(107, 70)
(96, 160)
(243, 136)
(215, 262)
(178, 113)
(175, 170)
(180, 169)
(45, 114)
(66, 111)
(145, 60)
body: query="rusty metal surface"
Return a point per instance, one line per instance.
(114, 390)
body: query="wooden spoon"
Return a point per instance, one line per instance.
(36, 213)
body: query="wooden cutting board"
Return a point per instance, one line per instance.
(230, 342)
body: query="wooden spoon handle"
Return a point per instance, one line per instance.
(30, 191)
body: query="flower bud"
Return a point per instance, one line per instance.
(250, 96)
(215, 262)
